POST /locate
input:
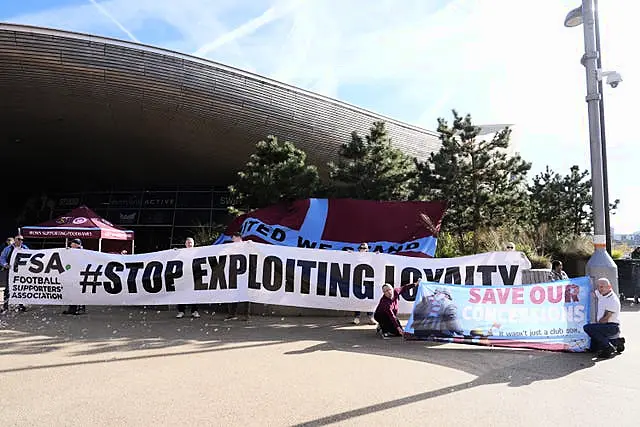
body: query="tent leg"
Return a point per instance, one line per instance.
(99, 245)
(133, 247)
(66, 242)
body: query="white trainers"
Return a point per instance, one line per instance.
(180, 315)
(372, 321)
(195, 314)
(356, 320)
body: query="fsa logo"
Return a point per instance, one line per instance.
(38, 262)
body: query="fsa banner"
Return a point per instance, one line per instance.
(548, 316)
(342, 224)
(243, 271)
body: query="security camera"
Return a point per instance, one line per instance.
(613, 77)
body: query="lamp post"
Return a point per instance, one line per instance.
(600, 264)
(574, 18)
(603, 135)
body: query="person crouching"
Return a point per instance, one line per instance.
(386, 313)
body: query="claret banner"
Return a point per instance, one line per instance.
(342, 224)
(243, 271)
(548, 316)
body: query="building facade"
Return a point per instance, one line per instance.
(148, 137)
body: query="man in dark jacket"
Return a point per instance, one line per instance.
(5, 257)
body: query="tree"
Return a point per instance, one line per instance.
(563, 203)
(277, 171)
(547, 201)
(370, 168)
(483, 185)
(577, 200)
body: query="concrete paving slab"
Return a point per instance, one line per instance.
(132, 366)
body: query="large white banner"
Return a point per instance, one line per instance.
(244, 271)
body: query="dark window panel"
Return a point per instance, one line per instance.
(223, 199)
(125, 200)
(160, 199)
(192, 217)
(123, 217)
(154, 217)
(95, 201)
(222, 217)
(194, 199)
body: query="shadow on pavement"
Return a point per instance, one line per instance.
(135, 331)
(491, 367)
(629, 306)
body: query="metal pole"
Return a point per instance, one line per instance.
(603, 139)
(600, 264)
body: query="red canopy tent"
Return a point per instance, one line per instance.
(80, 223)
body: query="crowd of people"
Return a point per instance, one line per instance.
(605, 333)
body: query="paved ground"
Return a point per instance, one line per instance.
(126, 366)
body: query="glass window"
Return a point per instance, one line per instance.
(193, 217)
(152, 239)
(123, 217)
(69, 201)
(194, 199)
(160, 199)
(221, 216)
(180, 234)
(125, 200)
(222, 199)
(95, 201)
(202, 235)
(156, 217)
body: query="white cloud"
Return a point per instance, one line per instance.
(106, 13)
(416, 60)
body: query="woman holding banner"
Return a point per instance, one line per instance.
(386, 313)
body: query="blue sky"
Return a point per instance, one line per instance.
(413, 60)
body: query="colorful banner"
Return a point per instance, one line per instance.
(548, 316)
(243, 271)
(401, 228)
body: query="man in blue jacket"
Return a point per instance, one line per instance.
(5, 258)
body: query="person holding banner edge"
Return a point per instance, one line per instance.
(5, 257)
(386, 313)
(605, 334)
(364, 247)
(75, 309)
(188, 243)
(232, 307)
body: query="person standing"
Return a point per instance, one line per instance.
(364, 247)
(605, 334)
(556, 272)
(4, 273)
(232, 307)
(510, 247)
(16, 244)
(188, 243)
(8, 242)
(75, 309)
